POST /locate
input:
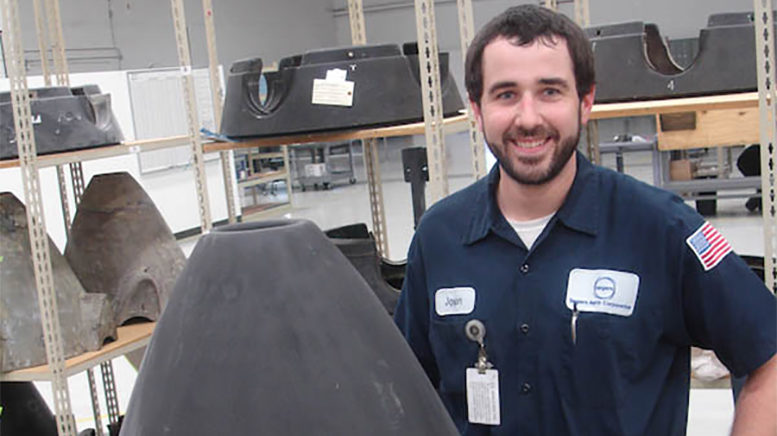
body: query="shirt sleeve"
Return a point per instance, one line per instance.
(412, 312)
(727, 307)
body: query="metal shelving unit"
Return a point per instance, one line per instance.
(57, 368)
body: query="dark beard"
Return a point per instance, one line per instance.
(557, 163)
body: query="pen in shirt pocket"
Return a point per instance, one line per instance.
(573, 324)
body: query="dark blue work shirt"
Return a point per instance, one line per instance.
(623, 374)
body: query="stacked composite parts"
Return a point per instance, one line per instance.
(341, 88)
(633, 62)
(63, 119)
(120, 264)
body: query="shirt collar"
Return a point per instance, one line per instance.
(580, 210)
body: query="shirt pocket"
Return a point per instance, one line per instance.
(594, 376)
(453, 351)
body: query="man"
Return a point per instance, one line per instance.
(586, 288)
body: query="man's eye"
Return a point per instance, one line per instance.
(551, 91)
(505, 95)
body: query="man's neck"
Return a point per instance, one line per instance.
(521, 202)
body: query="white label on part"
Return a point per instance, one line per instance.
(483, 396)
(454, 301)
(336, 75)
(603, 291)
(332, 93)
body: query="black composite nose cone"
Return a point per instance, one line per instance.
(270, 330)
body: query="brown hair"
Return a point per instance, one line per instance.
(527, 23)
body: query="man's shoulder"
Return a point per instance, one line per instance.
(644, 201)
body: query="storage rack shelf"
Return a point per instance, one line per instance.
(130, 337)
(452, 124)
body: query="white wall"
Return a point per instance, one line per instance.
(140, 33)
(173, 191)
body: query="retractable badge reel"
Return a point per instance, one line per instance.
(482, 381)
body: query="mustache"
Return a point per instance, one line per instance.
(539, 131)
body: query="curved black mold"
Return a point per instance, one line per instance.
(387, 90)
(271, 331)
(358, 245)
(633, 62)
(63, 119)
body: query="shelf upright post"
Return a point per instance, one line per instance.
(582, 14)
(372, 166)
(43, 49)
(370, 145)
(467, 32)
(429, 64)
(184, 58)
(764, 39)
(62, 76)
(39, 244)
(356, 19)
(583, 19)
(216, 95)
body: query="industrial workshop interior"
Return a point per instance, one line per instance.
(207, 209)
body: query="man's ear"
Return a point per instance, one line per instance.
(475, 108)
(586, 104)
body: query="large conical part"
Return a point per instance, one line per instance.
(120, 245)
(86, 320)
(271, 331)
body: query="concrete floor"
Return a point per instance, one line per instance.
(711, 410)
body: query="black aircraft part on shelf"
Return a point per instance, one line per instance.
(86, 320)
(416, 170)
(633, 62)
(386, 91)
(120, 245)
(358, 245)
(63, 119)
(270, 330)
(24, 411)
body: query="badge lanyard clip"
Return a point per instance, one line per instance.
(476, 332)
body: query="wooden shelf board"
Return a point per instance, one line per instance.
(450, 125)
(674, 105)
(130, 338)
(48, 160)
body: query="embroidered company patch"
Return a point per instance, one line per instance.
(709, 246)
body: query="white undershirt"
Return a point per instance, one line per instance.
(530, 230)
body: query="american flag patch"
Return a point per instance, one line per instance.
(708, 245)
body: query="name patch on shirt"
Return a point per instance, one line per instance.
(454, 301)
(709, 246)
(603, 291)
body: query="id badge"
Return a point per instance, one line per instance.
(483, 396)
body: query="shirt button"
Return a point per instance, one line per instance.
(525, 328)
(525, 268)
(525, 388)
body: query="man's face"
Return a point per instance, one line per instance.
(529, 112)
